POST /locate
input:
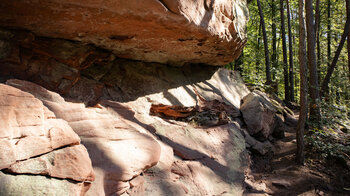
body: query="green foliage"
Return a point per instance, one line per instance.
(327, 141)
(330, 141)
(326, 147)
(253, 67)
(333, 114)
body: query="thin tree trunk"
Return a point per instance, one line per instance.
(329, 35)
(291, 72)
(285, 60)
(314, 91)
(295, 49)
(257, 62)
(274, 39)
(238, 64)
(325, 83)
(267, 56)
(317, 29)
(303, 86)
(348, 11)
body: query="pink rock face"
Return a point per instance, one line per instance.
(166, 31)
(28, 128)
(118, 151)
(71, 162)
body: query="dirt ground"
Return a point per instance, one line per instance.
(278, 174)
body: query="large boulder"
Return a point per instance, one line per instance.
(167, 31)
(42, 150)
(265, 117)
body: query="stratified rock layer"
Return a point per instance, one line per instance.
(70, 162)
(28, 128)
(118, 151)
(37, 150)
(164, 31)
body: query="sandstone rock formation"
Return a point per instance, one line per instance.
(189, 158)
(33, 141)
(70, 162)
(97, 68)
(265, 117)
(24, 119)
(165, 31)
(118, 151)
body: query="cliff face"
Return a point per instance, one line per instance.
(98, 83)
(164, 31)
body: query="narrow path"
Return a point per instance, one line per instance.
(278, 174)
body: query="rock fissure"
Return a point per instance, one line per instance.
(8, 172)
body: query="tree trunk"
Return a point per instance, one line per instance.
(329, 35)
(325, 83)
(291, 72)
(274, 39)
(348, 11)
(285, 60)
(303, 86)
(315, 113)
(257, 51)
(317, 29)
(238, 64)
(267, 56)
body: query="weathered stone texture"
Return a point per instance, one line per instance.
(70, 162)
(37, 150)
(164, 31)
(118, 151)
(27, 127)
(265, 117)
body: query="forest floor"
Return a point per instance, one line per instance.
(278, 173)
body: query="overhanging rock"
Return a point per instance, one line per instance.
(164, 31)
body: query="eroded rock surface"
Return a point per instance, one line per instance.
(123, 141)
(166, 31)
(28, 128)
(71, 162)
(37, 150)
(118, 151)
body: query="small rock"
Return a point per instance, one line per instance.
(281, 183)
